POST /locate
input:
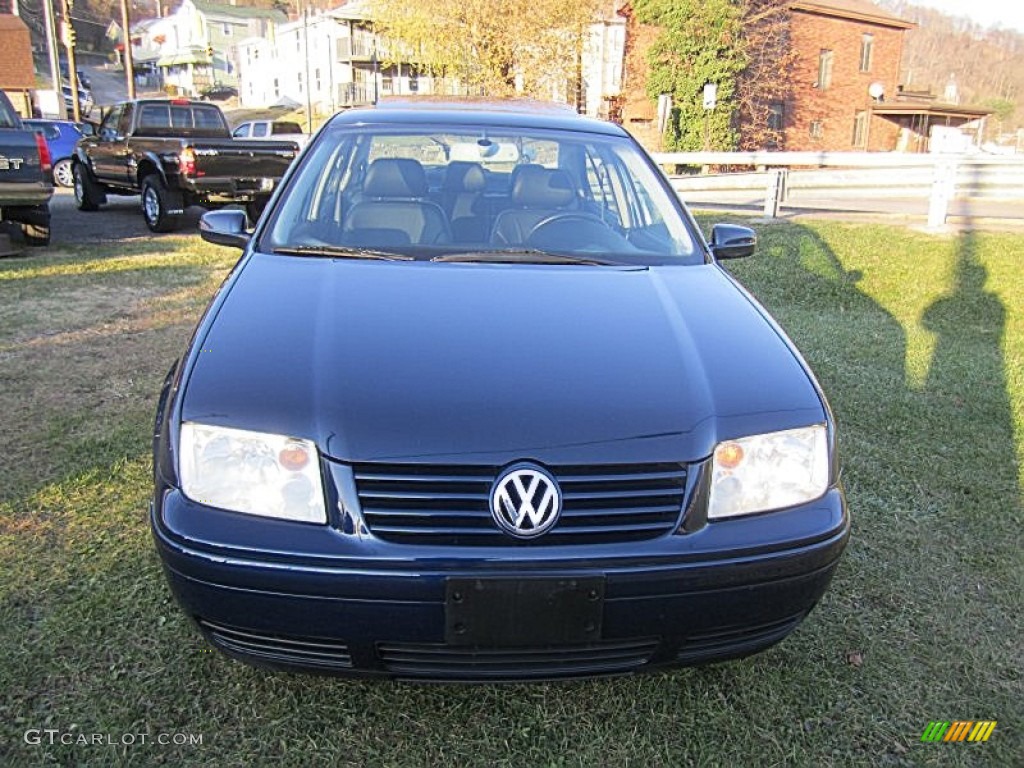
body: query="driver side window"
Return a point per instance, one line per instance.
(108, 129)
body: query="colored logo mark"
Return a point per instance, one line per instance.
(959, 730)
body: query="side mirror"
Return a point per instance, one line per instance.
(224, 228)
(729, 241)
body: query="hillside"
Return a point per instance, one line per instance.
(985, 64)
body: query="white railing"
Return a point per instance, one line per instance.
(786, 178)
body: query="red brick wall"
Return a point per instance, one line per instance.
(639, 112)
(835, 107)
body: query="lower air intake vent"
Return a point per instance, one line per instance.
(453, 663)
(308, 652)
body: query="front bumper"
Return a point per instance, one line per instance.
(318, 600)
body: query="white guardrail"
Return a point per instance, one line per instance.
(786, 178)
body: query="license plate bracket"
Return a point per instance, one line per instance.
(506, 613)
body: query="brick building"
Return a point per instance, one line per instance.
(845, 92)
(848, 62)
(17, 73)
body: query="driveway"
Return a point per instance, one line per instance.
(120, 219)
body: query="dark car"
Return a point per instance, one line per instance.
(61, 137)
(478, 402)
(220, 93)
(83, 79)
(85, 100)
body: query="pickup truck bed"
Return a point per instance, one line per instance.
(175, 153)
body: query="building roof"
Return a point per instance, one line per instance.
(855, 10)
(932, 110)
(240, 12)
(16, 69)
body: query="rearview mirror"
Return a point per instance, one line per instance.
(224, 228)
(730, 241)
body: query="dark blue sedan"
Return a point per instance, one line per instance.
(61, 137)
(478, 402)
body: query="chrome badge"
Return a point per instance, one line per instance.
(526, 501)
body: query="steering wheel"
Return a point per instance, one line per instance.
(575, 231)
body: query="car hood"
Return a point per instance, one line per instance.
(490, 363)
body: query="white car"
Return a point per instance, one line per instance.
(272, 130)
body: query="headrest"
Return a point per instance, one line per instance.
(395, 177)
(539, 187)
(464, 177)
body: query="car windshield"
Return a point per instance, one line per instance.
(486, 194)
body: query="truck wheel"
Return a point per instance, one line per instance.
(35, 226)
(254, 209)
(158, 202)
(88, 193)
(62, 173)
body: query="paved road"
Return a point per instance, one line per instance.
(987, 213)
(120, 219)
(108, 87)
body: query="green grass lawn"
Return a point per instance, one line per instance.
(919, 342)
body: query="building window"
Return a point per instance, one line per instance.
(776, 116)
(225, 29)
(867, 46)
(824, 69)
(817, 129)
(860, 130)
(318, 86)
(277, 87)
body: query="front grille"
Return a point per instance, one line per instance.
(411, 503)
(735, 642)
(453, 663)
(307, 652)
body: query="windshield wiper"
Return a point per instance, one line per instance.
(340, 251)
(524, 256)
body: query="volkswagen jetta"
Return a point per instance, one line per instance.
(478, 402)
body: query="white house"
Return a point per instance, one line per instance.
(331, 60)
(193, 48)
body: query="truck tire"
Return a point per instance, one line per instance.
(88, 194)
(254, 209)
(158, 202)
(35, 226)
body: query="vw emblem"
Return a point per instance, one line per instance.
(525, 501)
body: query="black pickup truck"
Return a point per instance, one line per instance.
(25, 177)
(175, 153)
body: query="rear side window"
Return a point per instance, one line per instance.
(50, 131)
(293, 128)
(181, 120)
(259, 130)
(8, 117)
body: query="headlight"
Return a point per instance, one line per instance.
(763, 472)
(252, 472)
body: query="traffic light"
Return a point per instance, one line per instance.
(209, 52)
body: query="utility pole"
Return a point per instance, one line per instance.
(129, 66)
(51, 47)
(309, 95)
(68, 38)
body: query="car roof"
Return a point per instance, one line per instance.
(505, 113)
